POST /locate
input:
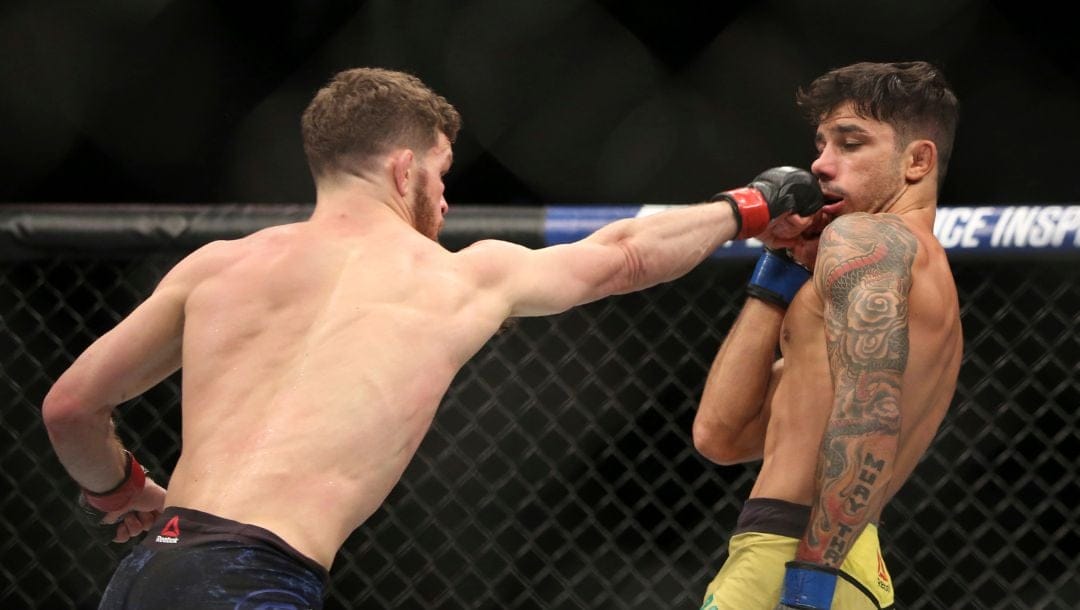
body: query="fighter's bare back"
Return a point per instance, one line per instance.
(320, 401)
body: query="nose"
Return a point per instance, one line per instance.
(443, 206)
(824, 167)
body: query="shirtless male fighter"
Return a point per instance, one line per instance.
(870, 349)
(315, 354)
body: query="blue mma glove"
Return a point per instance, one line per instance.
(808, 586)
(776, 278)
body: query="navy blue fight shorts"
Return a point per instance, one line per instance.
(194, 560)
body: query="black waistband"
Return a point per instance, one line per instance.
(183, 527)
(782, 518)
(770, 516)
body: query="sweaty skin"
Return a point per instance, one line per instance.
(359, 364)
(315, 354)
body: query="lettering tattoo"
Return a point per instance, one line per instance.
(864, 276)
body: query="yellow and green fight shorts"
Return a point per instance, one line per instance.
(765, 538)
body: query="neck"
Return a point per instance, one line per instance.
(915, 204)
(356, 197)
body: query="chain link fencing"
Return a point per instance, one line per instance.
(560, 472)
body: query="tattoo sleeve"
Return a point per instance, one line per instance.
(864, 276)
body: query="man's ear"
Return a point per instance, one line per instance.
(401, 164)
(921, 160)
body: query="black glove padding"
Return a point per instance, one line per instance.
(789, 189)
(774, 192)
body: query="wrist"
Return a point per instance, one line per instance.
(121, 494)
(776, 278)
(808, 586)
(750, 209)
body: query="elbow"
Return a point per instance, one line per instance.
(634, 272)
(716, 445)
(62, 409)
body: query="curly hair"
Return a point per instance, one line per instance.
(365, 112)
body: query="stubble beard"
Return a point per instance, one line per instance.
(428, 221)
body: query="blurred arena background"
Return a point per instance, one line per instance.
(559, 473)
(570, 101)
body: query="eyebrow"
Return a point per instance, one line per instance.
(847, 128)
(842, 129)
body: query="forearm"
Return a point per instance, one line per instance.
(730, 423)
(853, 476)
(84, 440)
(664, 246)
(854, 471)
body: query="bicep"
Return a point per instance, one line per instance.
(548, 280)
(864, 277)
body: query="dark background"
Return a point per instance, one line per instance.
(559, 473)
(588, 101)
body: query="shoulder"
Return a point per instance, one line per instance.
(214, 255)
(203, 262)
(491, 260)
(886, 233)
(860, 246)
(861, 224)
(489, 246)
(492, 252)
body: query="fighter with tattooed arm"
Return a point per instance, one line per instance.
(870, 349)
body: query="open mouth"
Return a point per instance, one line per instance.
(833, 203)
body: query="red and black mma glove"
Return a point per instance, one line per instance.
(99, 504)
(808, 586)
(774, 192)
(776, 278)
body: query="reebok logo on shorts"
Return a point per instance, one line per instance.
(883, 581)
(170, 534)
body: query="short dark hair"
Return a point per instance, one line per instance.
(365, 112)
(912, 96)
